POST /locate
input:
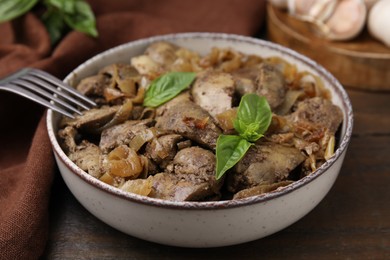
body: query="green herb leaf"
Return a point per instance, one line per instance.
(81, 19)
(10, 9)
(64, 14)
(230, 149)
(166, 87)
(60, 14)
(55, 24)
(65, 6)
(253, 117)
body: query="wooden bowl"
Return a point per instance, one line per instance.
(360, 63)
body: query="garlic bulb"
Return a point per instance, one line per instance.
(300, 8)
(370, 3)
(334, 19)
(282, 4)
(379, 21)
(346, 22)
(312, 10)
(322, 10)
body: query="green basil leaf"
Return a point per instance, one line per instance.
(65, 6)
(166, 87)
(64, 14)
(253, 117)
(54, 23)
(10, 9)
(230, 149)
(81, 19)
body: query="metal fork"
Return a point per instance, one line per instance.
(47, 90)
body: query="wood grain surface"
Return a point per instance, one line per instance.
(352, 222)
(362, 62)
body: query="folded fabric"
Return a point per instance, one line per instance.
(26, 161)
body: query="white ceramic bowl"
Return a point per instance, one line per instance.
(203, 224)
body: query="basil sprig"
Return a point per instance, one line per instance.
(166, 87)
(60, 15)
(230, 150)
(63, 14)
(11, 9)
(253, 119)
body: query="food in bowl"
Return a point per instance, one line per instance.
(205, 223)
(168, 121)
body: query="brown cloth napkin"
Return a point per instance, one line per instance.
(26, 161)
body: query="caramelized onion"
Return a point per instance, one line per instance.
(145, 165)
(289, 71)
(211, 59)
(233, 64)
(312, 160)
(195, 122)
(329, 151)
(226, 119)
(187, 60)
(159, 149)
(127, 86)
(279, 124)
(120, 116)
(252, 60)
(139, 98)
(148, 113)
(142, 137)
(225, 59)
(290, 99)
(137, 142)
(107, 178)
(112, 94)
(311, 84)
(123, 80)
(140, 186)
(260, 189)
(115, 181)
(124, 162)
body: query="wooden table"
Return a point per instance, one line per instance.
(352, 222)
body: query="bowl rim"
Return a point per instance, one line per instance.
(212, 205)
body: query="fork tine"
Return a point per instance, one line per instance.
(43, 83)
(14, 76)
(30, 95)
(37, 85)
(26, 84)
(46, 76)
